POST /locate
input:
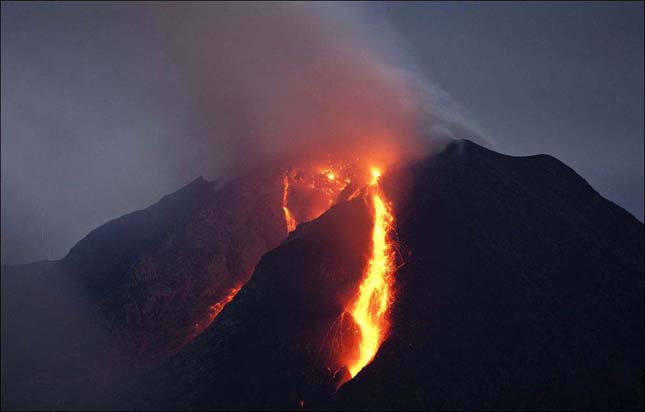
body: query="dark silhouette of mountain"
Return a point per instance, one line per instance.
(158, 272)
(266, 347)
(107, 252)
(521, 288)
(133, 291)
(524, 290)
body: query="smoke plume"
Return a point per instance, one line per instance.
(108, 107)
(291, 79)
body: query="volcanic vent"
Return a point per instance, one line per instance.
(313, 314)
(518, 279)
(159, 277)
(472, 287)
(353, 340)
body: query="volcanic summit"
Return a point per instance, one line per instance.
(465, 279)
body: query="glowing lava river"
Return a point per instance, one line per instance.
(289, 220)
(307, 193)
(370, 310)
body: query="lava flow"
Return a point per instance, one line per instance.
(370, 310)
(290, 221)
(213, 311)
(308, 191)
(217, 308)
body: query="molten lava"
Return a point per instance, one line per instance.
(309, 190)
(370, 310)
(213, 311)
(290, 221)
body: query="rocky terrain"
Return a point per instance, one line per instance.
(521, 288)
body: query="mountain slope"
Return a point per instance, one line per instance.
(133, 291)
(266, 349)
(157, 273)
(524, 290)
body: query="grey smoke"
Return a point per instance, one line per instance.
(107, 107)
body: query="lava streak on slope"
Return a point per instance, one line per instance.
(310, 190)
(370, 310)
(364, 303)
(289, 220)
(213, 311)
(364, 323)
(307, 192)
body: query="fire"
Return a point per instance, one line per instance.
(376, 174)
(370, 310)
(214, 310)
(217, 308)
(309, 190)
(330, 175)
(290, 221)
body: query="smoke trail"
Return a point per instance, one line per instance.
(277, 79)
(131, 101)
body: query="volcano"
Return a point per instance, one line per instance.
(509, 284)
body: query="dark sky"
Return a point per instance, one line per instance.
(108, 107)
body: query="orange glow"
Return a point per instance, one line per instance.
(370, 310)
(309, 190)
(215, 309)
(376, 173)
(290, 221)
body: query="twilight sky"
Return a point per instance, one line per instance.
(108, 107)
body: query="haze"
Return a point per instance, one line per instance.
(108, 107)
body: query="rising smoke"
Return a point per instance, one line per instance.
(297, 79)
(108, 107)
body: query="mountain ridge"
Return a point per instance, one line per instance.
(521, 289)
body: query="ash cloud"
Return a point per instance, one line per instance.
(299, 79)
(107, 107)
